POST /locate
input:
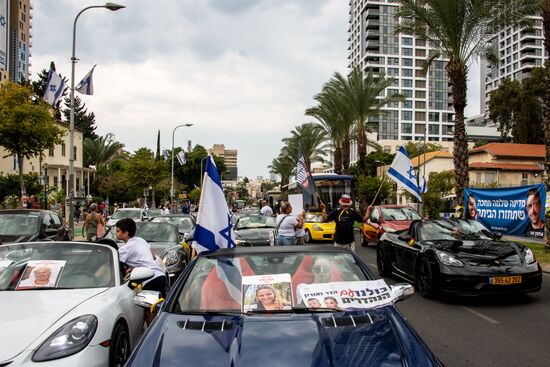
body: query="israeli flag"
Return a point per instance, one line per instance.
(402, 172)
(181, 157)
(165, 154)
(86, 85)
(55, 86)
(213, 230)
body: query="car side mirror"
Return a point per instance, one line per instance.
(402, 291)
(147, 299)
(405, 237)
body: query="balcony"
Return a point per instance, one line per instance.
(372, 24)
(372, 13)
(373, 34)
(373, 45)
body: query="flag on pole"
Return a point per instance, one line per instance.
(303, 175)
(213, 229)
(86, 85)
(402, 172)
(55, 86)
(181, 157)
(165, 153)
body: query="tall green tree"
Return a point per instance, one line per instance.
(100, 151)
(282, 166)
(360, 95)
(158, 156)
(518, 108)
(417, 148)
(459, 30)
(26, 125)
(311, 138)
(440, 184)
(83, 120)
(189, 175)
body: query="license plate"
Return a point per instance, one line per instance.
(516, 279)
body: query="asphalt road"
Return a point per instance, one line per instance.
(471, 331)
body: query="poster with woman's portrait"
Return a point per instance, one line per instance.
(41, 273)
(266, 292)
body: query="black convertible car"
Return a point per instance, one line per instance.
(460, 257)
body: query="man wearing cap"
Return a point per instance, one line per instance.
(345, 217)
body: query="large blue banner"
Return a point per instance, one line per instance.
(517, 211)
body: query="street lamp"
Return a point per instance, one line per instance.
(112, 7)
(172, 174)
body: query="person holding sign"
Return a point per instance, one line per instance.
(287, 226)
(268, 298)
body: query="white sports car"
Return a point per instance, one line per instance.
(66, 304)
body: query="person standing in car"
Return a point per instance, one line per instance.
(93, 221)
(344, 217)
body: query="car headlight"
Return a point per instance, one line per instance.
(448, 259)
(317, 228)
(69, 339)
(240, 242)
(389, 229)
(170, 258)
(529, 256)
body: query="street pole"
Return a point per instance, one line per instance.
(172, 172)
(70, 189)
(202, 159)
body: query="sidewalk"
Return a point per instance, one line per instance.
(78, 232)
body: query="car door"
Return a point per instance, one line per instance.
(372, 226)
(48, 230)
(57, 224)
(406, 253)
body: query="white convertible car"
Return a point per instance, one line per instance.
(66, 304)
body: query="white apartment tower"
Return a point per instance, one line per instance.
(374, 45)
(519, 51)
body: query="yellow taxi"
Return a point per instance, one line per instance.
(316, 230)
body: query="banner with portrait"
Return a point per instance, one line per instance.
(516, 211)
(270, 292)
(41, 273)
(346, 295)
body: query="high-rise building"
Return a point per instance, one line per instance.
(374, 46)
(230, 159)
(519, 51)
(15, 40)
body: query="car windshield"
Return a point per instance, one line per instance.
(157, 232)
(18, 224)
(131, 213)
(206, 289)
(436, 230)
(314, 218)
(183, 223)
(154, 212)
(255, 221)
(399, 214)
(55, 265)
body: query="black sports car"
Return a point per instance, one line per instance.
(254, 230)
(29, 225)
(460, 257)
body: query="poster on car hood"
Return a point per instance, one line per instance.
(516, 211)
(346, 295)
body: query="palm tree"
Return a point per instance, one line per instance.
(100, 151)
(459, 30)
(361, 96)
(283, 166)
(311, 138)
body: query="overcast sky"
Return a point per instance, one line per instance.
(243, 71)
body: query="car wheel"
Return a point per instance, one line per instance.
(425, 280)
(307, 237)
(120, 346)
(385, 268)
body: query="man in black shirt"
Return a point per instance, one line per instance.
(345, 217)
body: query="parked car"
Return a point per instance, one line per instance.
(316, 230)
(245, 213)
(83, 314)
(165, 242)
(185, 222)
(460, 257)
(254, 230)
(136, 214)
(153, 213)
(386, 218)
(204, 320)
(27, 225)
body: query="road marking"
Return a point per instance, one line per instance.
(479, 314)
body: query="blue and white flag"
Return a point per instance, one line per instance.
(213, 230)
(181, 157)
(165, 154)
(55, 86)
(402, 172)
(86, 85)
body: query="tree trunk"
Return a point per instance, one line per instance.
(338, 160)
(345, 153)
(458, 72)
(546, 118)
(21, 179)
(361, 142)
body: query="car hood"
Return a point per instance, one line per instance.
(253, 233)
(324, 226)
(283, 340)
(159, 248)
(481, 251)
(28, 314)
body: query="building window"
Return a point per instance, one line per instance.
(62, 149)
(74, 153)
(490, 178)
(55, 181)
(524, 178)
(407, 115)
(50, 152)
